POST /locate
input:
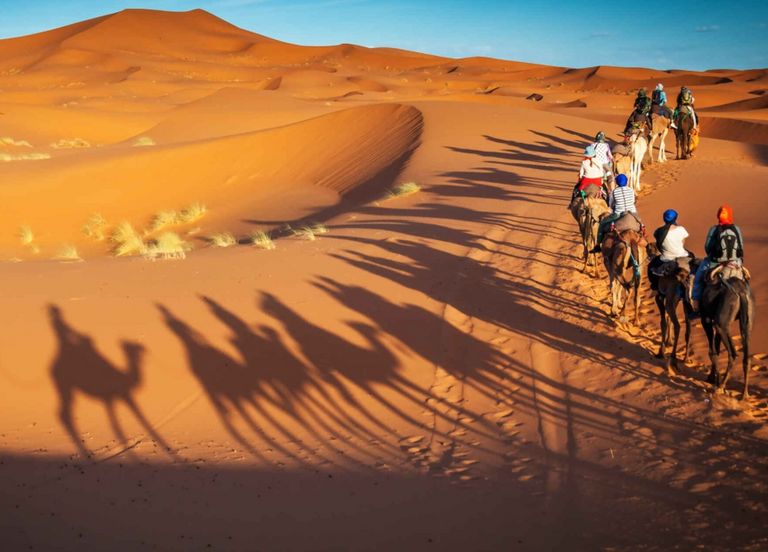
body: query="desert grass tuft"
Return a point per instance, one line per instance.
(262, 240)
(127, 241)
(192, 213)
(68, 253)
(222, 239)
(35, 156)
(167, 245)
(164, 219)
(143, 141)
(189, 214)
(26, 236)
(402, 190)
(309, 231)
(73, 143)
(8, 141)
(95, 227)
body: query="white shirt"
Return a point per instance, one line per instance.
(673, 245)
(603, 153)
(591, 168)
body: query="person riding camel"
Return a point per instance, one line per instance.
(659, 102)
(685, 99)
(621, 200)
(603, 153)
(724, 244)
(670, 242)
(642, 107)
(591, 175)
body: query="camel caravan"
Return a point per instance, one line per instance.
(714, 289)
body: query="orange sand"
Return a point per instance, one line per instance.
(435, 371)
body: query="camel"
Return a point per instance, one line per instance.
(623, 254)
(726, 297)
(588, 212)
(673, 287)
(659, 129)
(684, 123)
(638, 148)
(80, 367)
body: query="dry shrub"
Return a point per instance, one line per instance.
(403, 189)
(222, 239)
(262, 240)
(26, 236)
(95, 227)
(167, 245)
(127, 241)
(68, 253)
(143, 141)
(71, 143)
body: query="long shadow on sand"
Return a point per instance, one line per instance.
(80, 368)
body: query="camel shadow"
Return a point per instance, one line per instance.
(80, 368)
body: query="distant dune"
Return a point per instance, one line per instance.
(349, 310)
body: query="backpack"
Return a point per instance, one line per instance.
(656, 97)
(727, 245)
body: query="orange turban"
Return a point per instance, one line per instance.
(725, 214)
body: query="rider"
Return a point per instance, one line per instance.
(670, 241)
(621, 200)
(659, 102)
(603, 153)
(724, 244)
(642, 107)
(685, 99)
(590, 174)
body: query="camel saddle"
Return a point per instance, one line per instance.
(726, 271)
(628, 221)
(669, 268)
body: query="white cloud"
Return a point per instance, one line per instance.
(708, 29)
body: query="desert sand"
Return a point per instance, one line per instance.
(434, 371)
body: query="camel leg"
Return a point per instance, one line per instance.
(650, 146)
(687, 333)
(713, 377)
(664, 326)
(745, 358)
(663, 146)
(672, 311)
(637, 302)
(65, 415)
(730, 350)
(147, 426)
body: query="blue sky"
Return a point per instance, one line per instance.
(699, 34)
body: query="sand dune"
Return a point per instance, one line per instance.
(432, 370)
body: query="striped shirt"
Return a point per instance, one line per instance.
(622, 200)
(603, 153)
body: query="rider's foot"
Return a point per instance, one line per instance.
(595, 249)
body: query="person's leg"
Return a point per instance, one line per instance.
(698, 283)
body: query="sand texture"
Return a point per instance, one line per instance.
(415, 371)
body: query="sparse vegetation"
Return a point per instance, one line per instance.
(143, 141)
(222, 239)
(8, 141)
(309, 231)
(262, 240)
(194, 212)
(95, 227)
(68, 253)
(7, 157)
(26, 236)
(189, 214)
(127, 241)
(73, 143)
(167, 245)
(403, 189)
